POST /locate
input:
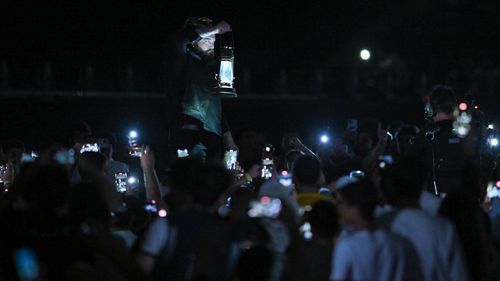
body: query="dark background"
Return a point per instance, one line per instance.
(297, 63)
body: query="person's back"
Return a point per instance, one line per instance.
(434, 240)
(369, 255)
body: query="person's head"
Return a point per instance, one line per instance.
(367, 136)
(89, 161)
(254, 264)
(44, 189)
(205, 45)
(404, 137)
(86, 205)
(357, 202)
(203, 183)
(80, 132)
(402, 183)
(324, 219)
(291, 156)
(306, 171)
(107, 142)
(443, 102)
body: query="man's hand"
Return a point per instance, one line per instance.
(229, 141)
(207, 31)
(147, 159)
(255, 171)
(222, 27)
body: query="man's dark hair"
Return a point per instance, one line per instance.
(307, 169)
(403, 182)
(196, 21)
(363, 195)
(95, 159)
(443, 99)
(110, 137)
(204, 182)
(324, 219)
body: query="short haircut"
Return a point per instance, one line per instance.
(403, 181)
(204, 182)
(196, 21)
(307, 169)
(95, 159)
(324, 219)
(443, 99)
(363, 195)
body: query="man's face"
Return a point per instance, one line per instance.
(207, 45)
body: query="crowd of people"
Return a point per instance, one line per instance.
(372, 204)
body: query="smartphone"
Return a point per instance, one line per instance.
(285, 178)
(181, 153)
(27, 265)
(231, 159)
(385, 160)
(493, 190)
(267, 162)
(90, 147)
(352, 125)
(3, 170)
(121, 182)
(357, 174)
(265, 207)
(267, 168)
(151, 207)
(134, 149)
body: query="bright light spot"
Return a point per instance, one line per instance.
(498, 184)
(284, 173)
(153, 202)
(462, 131)
(463, 106)
(382, 165)
(132, 134)
(324, 139)
(491, 127)
(265, 200)
(365, 54)
(476, 107)
(132, 180)
(162, 213)
(494, 142)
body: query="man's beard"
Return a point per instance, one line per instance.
(208, 56)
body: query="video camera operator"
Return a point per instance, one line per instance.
(438, 145)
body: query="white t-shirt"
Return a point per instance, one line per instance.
(430, 203)
(435, 242)
(156, 237)
(370, 255)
